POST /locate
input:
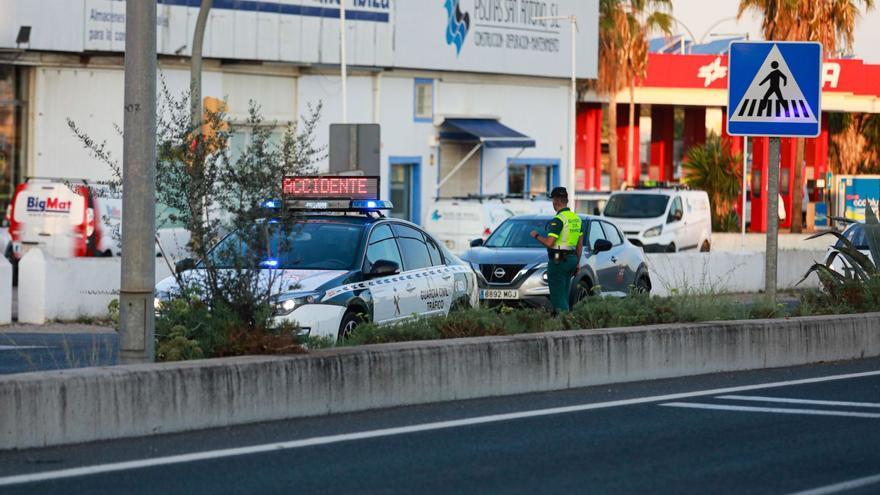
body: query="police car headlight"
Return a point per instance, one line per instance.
(544, 276)
(157, 303)
(286, 304)
(654, 231)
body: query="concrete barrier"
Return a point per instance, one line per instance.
(53, 408)
(719, 272)
(69, 288)
(758, 242)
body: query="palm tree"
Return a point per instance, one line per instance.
(830, 22)
(713, 168)
(643, 17)
(623, 58)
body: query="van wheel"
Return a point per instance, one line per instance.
(705, 247)
(350, 321)
(671, 248)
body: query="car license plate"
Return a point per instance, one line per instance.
(499, 294)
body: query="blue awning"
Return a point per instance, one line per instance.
(490, 132)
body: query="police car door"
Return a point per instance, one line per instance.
(426, 294)
(386, 293)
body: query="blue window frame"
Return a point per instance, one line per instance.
(409, 167)
(532, 176)
(423, 90)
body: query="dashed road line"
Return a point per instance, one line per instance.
(810, 402)
(775, 410)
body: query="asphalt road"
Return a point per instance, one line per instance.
(724, 433)
(25, 352)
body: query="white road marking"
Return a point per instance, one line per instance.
(786, 400)
(842, 487)
(402, 430)
(777, 410)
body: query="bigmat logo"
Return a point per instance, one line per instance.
(50, 205)
(457, 25)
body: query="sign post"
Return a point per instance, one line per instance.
(774, 90)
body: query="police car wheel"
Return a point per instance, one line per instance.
(350, 321)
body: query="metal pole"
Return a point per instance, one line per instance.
(572, 157)
(772, 220)
(136, 320)
(195, 74)
(343, 61)
(744, 192)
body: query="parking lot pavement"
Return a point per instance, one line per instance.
(26, 348)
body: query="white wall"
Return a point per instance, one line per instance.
(718, 273)
(66, 289)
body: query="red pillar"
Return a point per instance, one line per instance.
(662, 142)
(817, 155)
(735, 142)
(588, 150)
(630, 176)
(694, 127)
(787, 159)
(736, 147)
(760, 158)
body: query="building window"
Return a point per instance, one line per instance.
(529, 180)
(424, 100)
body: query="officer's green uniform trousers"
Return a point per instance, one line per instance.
(566, 228)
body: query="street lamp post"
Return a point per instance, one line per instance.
(343, 62)
(572, 122)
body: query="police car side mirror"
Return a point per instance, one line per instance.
(184, 265)
(602, 245)
(383, 268)
(476, 242)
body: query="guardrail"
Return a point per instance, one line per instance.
(53, 408)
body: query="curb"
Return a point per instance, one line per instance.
(82, 405)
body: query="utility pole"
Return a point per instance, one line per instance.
(342, 61)
(772, 221)
(195, 74)
(136, 318)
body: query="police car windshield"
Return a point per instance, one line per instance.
(636, 205)
(306, 245)
(515, 234)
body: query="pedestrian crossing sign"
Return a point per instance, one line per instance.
(774, 89)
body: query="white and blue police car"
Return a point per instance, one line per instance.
(349, 264)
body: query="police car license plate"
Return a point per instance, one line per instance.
(499, 294)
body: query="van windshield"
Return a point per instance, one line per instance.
(636, 205)
(515, 234)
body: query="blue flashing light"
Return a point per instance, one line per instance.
(270, 263)
(270, 204)
(273, 221)
(370, 204)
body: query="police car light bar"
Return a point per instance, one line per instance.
(333, 193)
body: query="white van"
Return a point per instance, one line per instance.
(64, 218)
(456, 222)
(73, 218)
(663, 220)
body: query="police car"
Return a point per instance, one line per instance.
(348, 263)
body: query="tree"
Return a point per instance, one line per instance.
(623, 59)
(713, 168)
(222, 200)
(830, 22)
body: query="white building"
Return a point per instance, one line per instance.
(440, 76)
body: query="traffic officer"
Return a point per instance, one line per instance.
(565, 244)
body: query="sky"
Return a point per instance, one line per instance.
(701, 16)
